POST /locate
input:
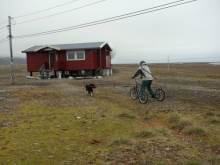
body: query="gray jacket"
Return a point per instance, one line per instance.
(144, 71)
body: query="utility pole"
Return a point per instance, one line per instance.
(168, 63)
(10, 46)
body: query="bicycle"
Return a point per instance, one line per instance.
(142, 95)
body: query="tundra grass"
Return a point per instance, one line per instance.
(209, 113)
(195, 130)
(53, 134)
(7, 69)
(62, 125)
(121, 140)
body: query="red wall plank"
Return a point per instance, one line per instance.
(33, 61)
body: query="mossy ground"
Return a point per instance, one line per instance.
(56, 122)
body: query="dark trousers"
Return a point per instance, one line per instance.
(147, 83)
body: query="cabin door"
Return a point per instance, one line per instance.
(52, 58)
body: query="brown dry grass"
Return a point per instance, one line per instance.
(40, 124)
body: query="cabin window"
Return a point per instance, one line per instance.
(71, 56)
(80, 55)
(75, 55)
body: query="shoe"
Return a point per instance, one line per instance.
(153, 97)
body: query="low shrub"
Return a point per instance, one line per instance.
(147, 112)
(194, 163)
(214, 159)
(195, 130)
(178, 122)
(181, 124)
(150, 116)
(184, 122)
(126, 114)
(146, 133)
(214, 120)
(174, 126)
(209, 113)
(121, 140)
(163, 131)
(174, 117)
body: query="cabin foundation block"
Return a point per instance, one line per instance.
(59, 75)
(105, 72)
(110, 72)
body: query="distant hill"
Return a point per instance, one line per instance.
(5, 61)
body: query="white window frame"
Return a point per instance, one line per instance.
(75, 55)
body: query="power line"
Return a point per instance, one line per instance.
(3, 27)
(104, 20)
(45, 9)
(60, 13)
(40, 11)
(89, 24)
(4, 41)
(98, 20)
(3, 22)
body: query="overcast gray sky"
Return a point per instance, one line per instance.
(187, 33)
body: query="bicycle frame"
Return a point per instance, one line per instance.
(137, 83)
(135, 90)
(136, 87)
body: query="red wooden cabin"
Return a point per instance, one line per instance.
(78, 59)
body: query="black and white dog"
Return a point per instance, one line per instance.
(89, 88)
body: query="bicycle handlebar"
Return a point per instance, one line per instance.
(137, 77)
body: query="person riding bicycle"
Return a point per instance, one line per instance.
(147, 77)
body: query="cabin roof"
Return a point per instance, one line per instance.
(90, 45)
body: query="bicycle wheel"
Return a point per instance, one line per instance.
(160, 95)
(134, 94)
(143, 98)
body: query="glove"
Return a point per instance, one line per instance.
(132, 77)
